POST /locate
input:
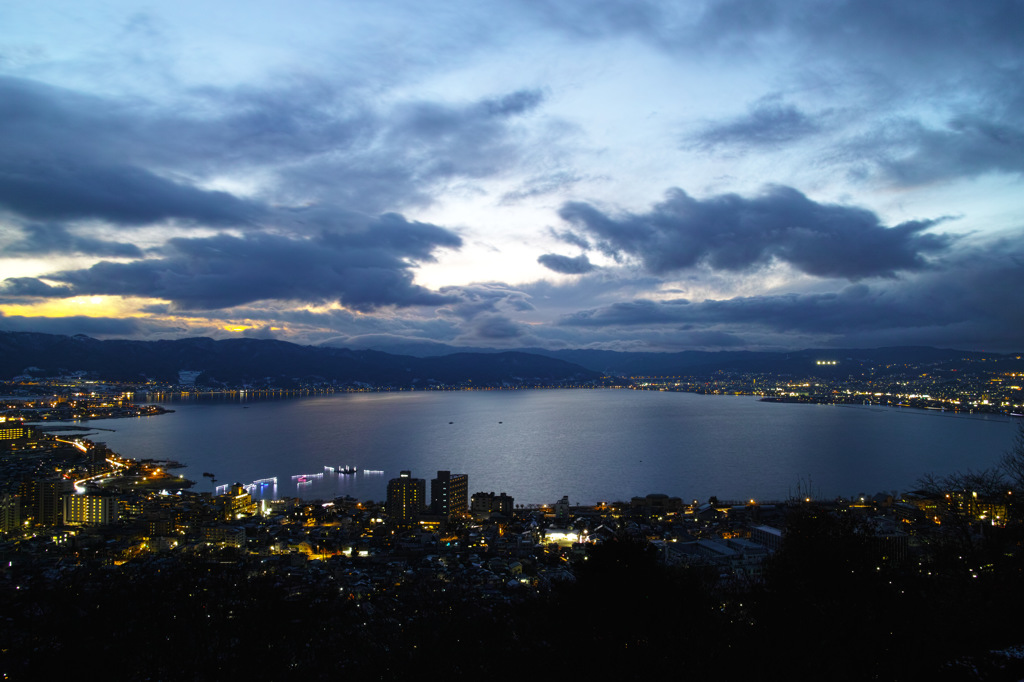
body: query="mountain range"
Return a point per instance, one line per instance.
(262, 361)
(245, 360)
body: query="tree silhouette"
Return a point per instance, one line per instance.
(1012, 461)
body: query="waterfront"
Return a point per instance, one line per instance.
(537, 446)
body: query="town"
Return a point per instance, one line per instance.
(973, 383)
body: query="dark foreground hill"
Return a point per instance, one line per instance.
(234, 361)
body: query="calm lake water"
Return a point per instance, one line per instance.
(540, 445)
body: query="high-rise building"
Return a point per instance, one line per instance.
(562, 509)
(10, 511)
(90, 510)
(407, 497)
(449, 494)
(43, 500)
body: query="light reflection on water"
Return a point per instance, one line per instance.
(540, 445)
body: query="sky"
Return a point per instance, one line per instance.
(636, 176)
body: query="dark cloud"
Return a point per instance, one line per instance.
(363, 267)
(733, 233)
(391, 343)
(419, 144)
(332, 326)
(76, 189)
(949, 305)
(450, 125)
(395, 158)
(769, 123)
(570, 237)
(601, 19)
(72, 157)
(627, 313)
(51, 238)
(539, 186)
(948, 71)
(97, 327)
(566, 265)
(857, 307)
(949, 33)
(708, 339)
(261, 332)
(514, 103)
(945, 32)
(910, 153)
(473, 300)
(32, 287)
(496, 328)
(851, 308)
(69, 156)
(601, 285)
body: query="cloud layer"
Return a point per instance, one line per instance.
(489, 174)
(362, 268)
(733, 233)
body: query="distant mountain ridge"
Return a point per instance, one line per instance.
(244, 360)
(237, 361)
(798, 362)
(622, 363)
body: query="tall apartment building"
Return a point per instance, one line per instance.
(43, 500)
(90, 510)
(449, 494)
(407, 497)
(10, 511)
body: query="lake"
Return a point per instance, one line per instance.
(538, 445)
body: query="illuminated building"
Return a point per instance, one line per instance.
(236, 502)
(13, 431)
(90, 510)
(449, 494)
(406, 498)
(16, 436)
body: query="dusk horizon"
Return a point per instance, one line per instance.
(626, 176)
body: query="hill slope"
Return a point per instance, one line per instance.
(235, 361)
